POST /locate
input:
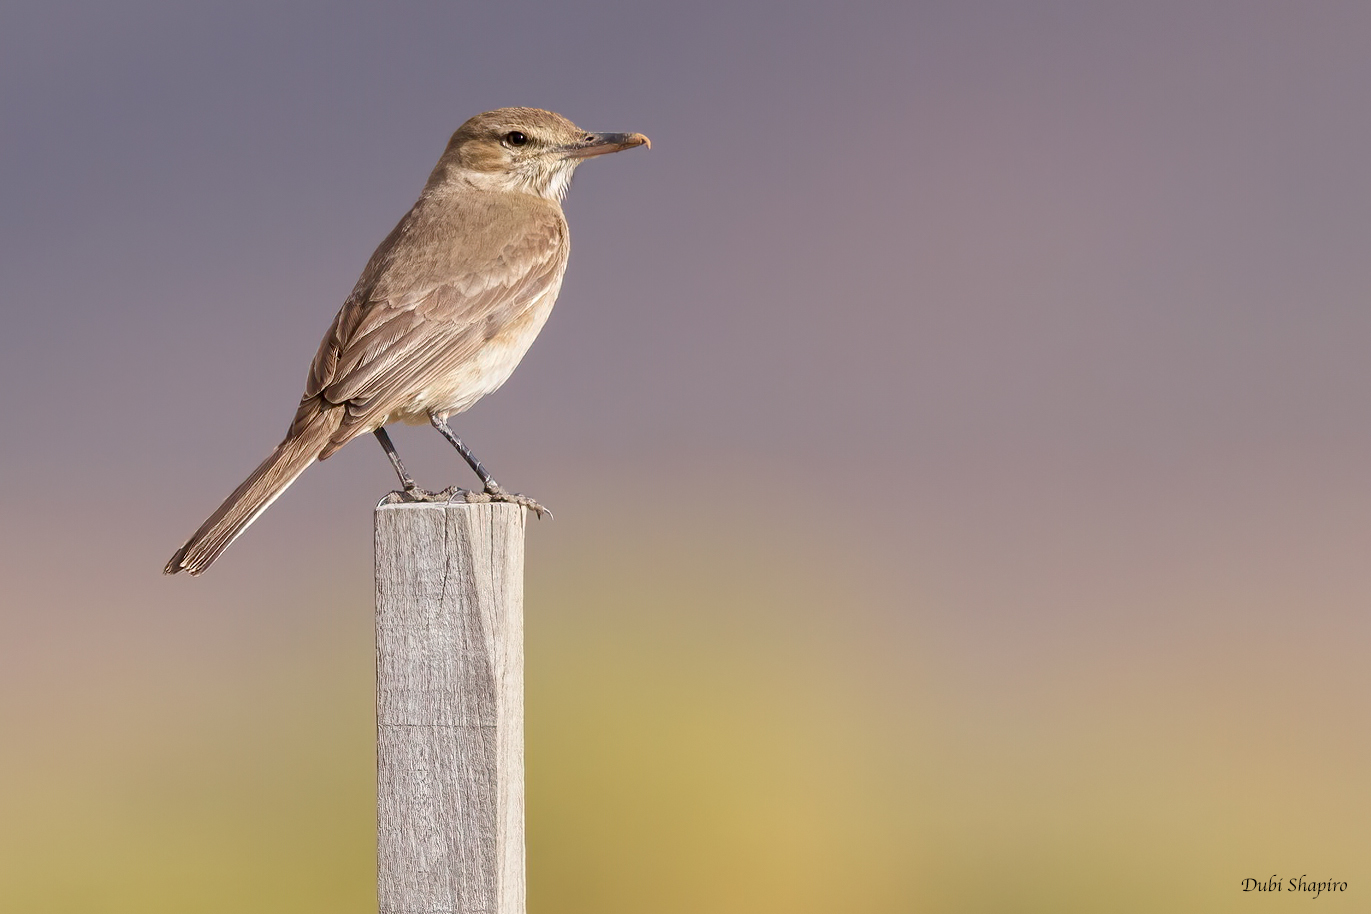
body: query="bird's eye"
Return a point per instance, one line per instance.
(515, 138)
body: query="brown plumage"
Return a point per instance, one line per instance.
(445, 309)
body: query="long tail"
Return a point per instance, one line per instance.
(291, 458)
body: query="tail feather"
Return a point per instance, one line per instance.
(285, 464)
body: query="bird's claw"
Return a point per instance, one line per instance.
(414, 494)
(495, 492)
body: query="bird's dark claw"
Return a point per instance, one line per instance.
(414, 494)
(495, 492)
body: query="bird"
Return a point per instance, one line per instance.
(442, 314)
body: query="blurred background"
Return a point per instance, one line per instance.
(956, 427)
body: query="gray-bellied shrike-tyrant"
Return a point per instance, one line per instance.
(444, 311)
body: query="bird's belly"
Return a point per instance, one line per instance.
(488, 368)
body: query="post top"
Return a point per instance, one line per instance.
(386, 505)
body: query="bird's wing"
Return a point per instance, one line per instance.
(389, 342)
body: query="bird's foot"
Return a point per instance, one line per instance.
(495, 492)
(413, 494)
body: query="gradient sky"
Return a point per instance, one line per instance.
(1042, 326)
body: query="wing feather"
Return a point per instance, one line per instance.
(388, 342)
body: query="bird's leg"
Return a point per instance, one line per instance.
(493, 490)
(405, 479)
(442, 426)
(412, 491)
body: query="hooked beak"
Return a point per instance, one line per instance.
(597, 144)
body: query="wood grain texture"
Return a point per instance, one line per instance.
(450, 708)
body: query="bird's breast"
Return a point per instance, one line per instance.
(488, 367)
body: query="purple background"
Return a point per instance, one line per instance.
(956, 424)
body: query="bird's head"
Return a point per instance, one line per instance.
(522, 149)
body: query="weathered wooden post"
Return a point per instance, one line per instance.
(450, 708)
